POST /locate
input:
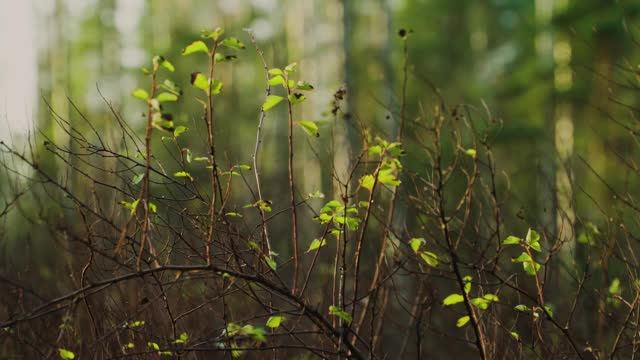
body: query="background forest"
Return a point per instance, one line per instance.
(465, 180)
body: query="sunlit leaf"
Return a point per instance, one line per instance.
(297, 98)
(194, 47)
(274, 322)
(471, 152)
(467, 283)
(183, 174)
(167, 65)
(275, 72)
(430, 258)
(271, 101)
(515, 335)
(387, 177)
(153, 345)
(337, 311)
(215, 34)
(317, 244)
(66, 354)
(179, 130)
(309, 127)
(140, 94)
(219, 58)
(511, 240)
(200, 81)
(232, 43)
(303, 85)
(276, 80)
(367, 181)
(291, 67)
(523, 308)
(137, 178)
(165, 96)
(452, 299)
(271, 262)
(462, 321)
(416, 243)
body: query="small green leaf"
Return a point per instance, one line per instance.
(200, 81)
(216, 87)
(153, 207)
(367, 181)
(274, 322)
(515, 335)
(375, 150)
(532, 236)
(153, 345)
(66, 354)
(471, 152)
(140, 94)
(184, 337)
(233, 214)
(387, 177)
(462, 321)
(168, 65)
(549, 310)
(165, 96)
(276, 72)
(135, 324)
(511, 240)
(452, 299)
(218, 58)
(189, 156)
(201, 158)
(416, 243)
(271, 262)
(614, 288)
(430, 258)
(467, 283)
(291, 67)
(309, 127)
(303, 85)
(536, 246)
(276, 80)
(194, 47)
(215, 34)
(136, 179)
(522, 307)
(480, 303)
(491, 297)
(317, 244)
(232, 43)
(272, 100)
(297, 98)
(183, 174)
(179, 130)
(337, 311)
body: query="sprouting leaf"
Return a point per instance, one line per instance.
(171, 87)
(416, 243)
(272, 100)
(522, 307)
(276, 80)
(309, 127)
(271, 262)
(167, 65)
(194, 47)
(387, 177)
(218, 58)
(145, 71)
(153, 345)
(184, 337)
(614, 288)
(316, 195)
(491, 297)
(515, 335)
(183, 174)
(216, 87)
(532, 236)
(140, 94)
(471, 152)
(297, 98)
(375, 150)
(530, 266)
(549, 310)
(343, 315)
(367, 181)
(234, 214)
(467, 283)
(276, 72)
(303, 85)
(189, 155)
(274, 321)
(462, 321)
(179, 130)
(137, 178)
(232, 43)
(511, 240)
(452, 299)
(66, 354)
(166, 96)
(132, 206)
(200, 158)
(135, 324)
(200, 81)
(480, 303)
(291, 67)
(153, 207)
(430, 258)
(317, 244)
(215, 34)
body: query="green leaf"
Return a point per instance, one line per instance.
(201, 158)
(367, 182)
(179, 130)
(303, 85)
(297, 98)
(165, 96)
(200, 81)
(271, 262)
(614, 288)
(387, 177)
(218, 58)
(530, 266)
(232, 43)
(548, 308)
(183, 174)
(167, 65)
(416, 243)
(136, 179)
(337, 311)
(536, 246)
(480, 303)
(153, 345)
(189, 156)
(216, 87)
(132, 206)
(171, 87)
(184, 337)
(274, 321)
(291, 67)
(523, 308)
(467, 283)
(309, 127)
(511, 240)
(462, 321)
(532, 237)
(491, 297)
(135, 324)
(515, 335)
(276, 80)
(452, 299)
(153, 207)
(140, 94)
(233, 214)
(276, 72)
(66, 354)
(215, 34)
(272, 100)
(316, 244)
(375, 150)
(430, 258)
(195, 47)
(471, 152)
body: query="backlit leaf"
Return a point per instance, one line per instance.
(271, 101)
(194, 47)
(452, 299)
(309, 127)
